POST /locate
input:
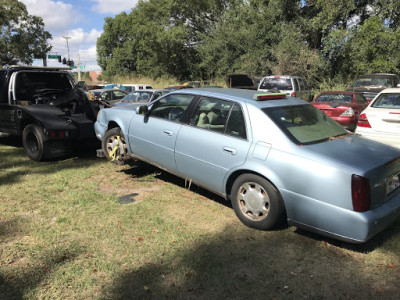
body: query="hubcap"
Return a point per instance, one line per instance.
(253, 201)
(117, 143)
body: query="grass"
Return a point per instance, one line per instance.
(66, 234)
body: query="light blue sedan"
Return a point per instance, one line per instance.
(273, 157)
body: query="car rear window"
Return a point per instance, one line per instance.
(276, 83)
(373, 81)
(334, 97)
(305, 124)
(387, 101)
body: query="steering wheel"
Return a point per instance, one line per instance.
(175, 113)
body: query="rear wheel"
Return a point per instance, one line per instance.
(256, 202)
(34, 142)
(114, 146)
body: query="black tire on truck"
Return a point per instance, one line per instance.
(34, 143)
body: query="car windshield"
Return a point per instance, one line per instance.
(137, 96)
(276, 83)
(371, 81)
(305, 124)
(387, 101)
(334, 97)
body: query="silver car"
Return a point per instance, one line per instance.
(273, 158)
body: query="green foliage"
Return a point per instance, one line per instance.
(205, 39)
(22, 37)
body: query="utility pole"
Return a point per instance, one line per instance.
(67, 38)
(79, 67)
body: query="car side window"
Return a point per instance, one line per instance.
(118, 94)
(361, 99)
(211, 114)
(296, 84)
(106, 96)
(236, 125)
(171, 107)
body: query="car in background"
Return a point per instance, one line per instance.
(142, 96)
(136, 87)
(242, 81)
(342, 106)
(293, 86)
(380, 121)
(177, 87)
(106, 96)
(371, 84)
(128, 87)
(274, 157)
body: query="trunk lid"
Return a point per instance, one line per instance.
(378, 162)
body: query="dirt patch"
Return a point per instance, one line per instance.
(136, 192)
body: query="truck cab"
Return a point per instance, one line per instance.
(47, 108)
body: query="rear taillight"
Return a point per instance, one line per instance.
(361, 193)
(293, 94)
(363, 121)
(348, 113)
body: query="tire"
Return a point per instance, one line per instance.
(256, 202)
(114, 146)
(34, 142)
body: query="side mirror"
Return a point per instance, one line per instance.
(142, 110)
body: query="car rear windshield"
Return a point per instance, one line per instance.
(373, 81)
(387, 101)
(305, 124)
(334, 97)
(276, 83)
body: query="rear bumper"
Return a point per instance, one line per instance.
(346, 122)
(339, 223)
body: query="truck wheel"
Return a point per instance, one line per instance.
(114, 146)
(33, 141)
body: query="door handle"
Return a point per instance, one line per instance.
(229, 150)
(167, 132)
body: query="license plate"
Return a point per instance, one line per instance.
(392, 183)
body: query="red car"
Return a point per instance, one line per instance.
(343, 107)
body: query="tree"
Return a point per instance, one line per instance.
(243, 38)
(22, 36)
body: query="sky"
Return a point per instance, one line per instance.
(81, 20)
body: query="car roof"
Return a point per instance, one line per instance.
(149, 90)
(281, 76)
(135, 84)
(377, 74)
(241, 96)
(339, 92)
(391, 90)
(103, 90)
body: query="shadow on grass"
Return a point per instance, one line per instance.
(14, 162)
(141, 169)
(246, 264)
(17, 281)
